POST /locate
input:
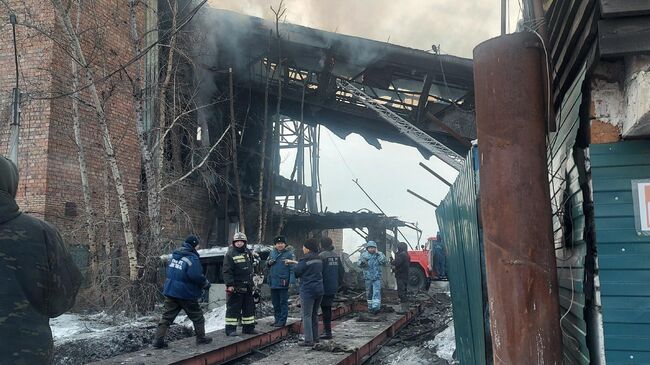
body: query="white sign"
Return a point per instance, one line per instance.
(641, 196)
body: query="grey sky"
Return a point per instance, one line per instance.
(457, 26)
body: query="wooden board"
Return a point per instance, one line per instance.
(350, 333)
(624, 36)
(620, 8)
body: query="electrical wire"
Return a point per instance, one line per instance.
(329, 135)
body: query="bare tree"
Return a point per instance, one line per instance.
(91, 227)
(63, 14)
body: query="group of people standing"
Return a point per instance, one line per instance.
(320, 272)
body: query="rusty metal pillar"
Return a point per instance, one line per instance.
(515, 202)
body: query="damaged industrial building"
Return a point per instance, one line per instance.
(135, 124)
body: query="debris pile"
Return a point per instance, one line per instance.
(427, 340)
(80, 339)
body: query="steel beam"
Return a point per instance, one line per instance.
(515, 202)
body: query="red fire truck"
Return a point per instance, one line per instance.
(422, 270)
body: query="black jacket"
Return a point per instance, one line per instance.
(38, 279)
(402, 261)
(238, 267)
(332, 271)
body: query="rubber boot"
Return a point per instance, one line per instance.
(327, 332)
(249, 329)
(159, 338)
(199, 329)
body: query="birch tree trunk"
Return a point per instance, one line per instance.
(153, 177)
(91, 228)
(162, 99)
(64, 17)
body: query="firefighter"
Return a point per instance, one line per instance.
(280, 276)
(238, 277)
(183, 287)
(38, 278)
(332, 280)
(401, 268)
(372, 261)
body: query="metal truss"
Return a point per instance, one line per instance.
(434, 146)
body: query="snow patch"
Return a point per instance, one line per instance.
(215, 319)
(69, 327)
(413, 356)
(444, 343)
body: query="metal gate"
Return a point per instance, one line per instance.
(459, 225)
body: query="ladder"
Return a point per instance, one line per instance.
(434, 146)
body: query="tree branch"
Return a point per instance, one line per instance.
(197, 166)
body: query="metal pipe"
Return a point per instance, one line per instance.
(515, 202)
(435, 174)
(14, 139)
(503, 17)
(422, 198)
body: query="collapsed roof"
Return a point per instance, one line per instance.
(433, 92)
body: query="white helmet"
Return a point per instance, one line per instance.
(239, 236)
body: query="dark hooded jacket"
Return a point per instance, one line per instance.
(402, 261)
(38, 279)
(185, 279)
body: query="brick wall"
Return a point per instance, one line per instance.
(337, 238)
(35, 81)
(49, 168)
(186, 210)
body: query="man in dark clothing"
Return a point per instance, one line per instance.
(38, 279)
(310, 271)
(401, 267)
(238, 277)
(333, 272)
(280, 276)
(183, 287)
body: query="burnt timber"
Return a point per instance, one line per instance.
(432, 91)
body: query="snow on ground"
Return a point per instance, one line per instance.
(414, 356)
(69, 327)
(215, 319)
(444, 343)
(84, 338)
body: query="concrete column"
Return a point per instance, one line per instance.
(515, 201)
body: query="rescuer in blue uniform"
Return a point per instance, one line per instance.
(332, 280)
(280, 276)
(372, 262)
(183, 287)
(310, 271)
(440, 258)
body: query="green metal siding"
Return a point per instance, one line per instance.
(623, 255)
(458, 221)
(568, 213)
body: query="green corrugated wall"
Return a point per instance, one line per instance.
(568, 214)
(623, 255)
(458, 221)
